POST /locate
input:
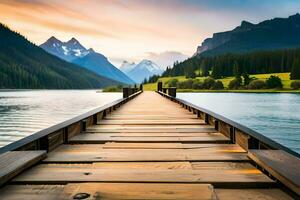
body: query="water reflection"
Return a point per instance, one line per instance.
(275, 115)
(25, 112)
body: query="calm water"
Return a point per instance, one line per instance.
(25, 112)
(277, 116)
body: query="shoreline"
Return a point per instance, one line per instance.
(239, 91)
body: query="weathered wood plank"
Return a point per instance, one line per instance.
(102, 155)
(34, 192)
(147, 117)
(283, 166)
(150, 126)
(152, 130)
(14, 162)
(151, 122)
(139, 145)
(143, 165)
(101, 138)
(66, 174)
(162, 134)
(251, 194)
(135, 191)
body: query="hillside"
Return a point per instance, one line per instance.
(285, 77)
(260, 62)
(72, 51)
(24, 65)
(277, 33)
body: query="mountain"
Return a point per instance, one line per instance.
(143, 70)
(127, 66)
(99, 64)
(68, 51)
(24, 65)
(278, 33)
(72, 51)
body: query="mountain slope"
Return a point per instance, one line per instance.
(73, 51)
(127, 66)
(272, 34)
(99, 64)
(23, 65)
(144, 70)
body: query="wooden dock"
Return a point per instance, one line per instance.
(147, 148)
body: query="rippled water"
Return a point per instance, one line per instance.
(25, 112)
(276, 116)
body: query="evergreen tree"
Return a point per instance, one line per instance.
(247, 79)
(204, 68)
(295, 72)
(236, 71)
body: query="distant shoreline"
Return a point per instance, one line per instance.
(239, 91)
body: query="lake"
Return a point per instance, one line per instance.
(275, 115)
(24, 112)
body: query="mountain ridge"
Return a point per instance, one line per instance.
(26, 66)
(277, 33)
(141, 71)
(72, 51)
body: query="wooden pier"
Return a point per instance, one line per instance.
(149, 145)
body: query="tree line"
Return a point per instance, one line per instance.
(261, 62)
(23, 65)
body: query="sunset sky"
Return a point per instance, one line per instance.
(161, 30)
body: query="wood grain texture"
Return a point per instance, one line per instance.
(14, 162)
(60, 174)
(285, 167)
(101, 155)
(252, 194)
(102, 138)
(135, 191)
(34, 192)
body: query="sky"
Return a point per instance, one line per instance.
(161, 30)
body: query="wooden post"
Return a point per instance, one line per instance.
(141, 87)
(206, 118)
(164, 90)
(159, 86)
(43, 143)
(66, 135)
(216, 124)
(172, 91)
(232, 134)
(95, 118)
(125, 92)
(83, 125)
(198, 114)
(253, 143)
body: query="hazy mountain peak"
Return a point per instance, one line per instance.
(126, 66)
(141, 71)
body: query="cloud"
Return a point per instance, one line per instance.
(127, 29)
(166, 58)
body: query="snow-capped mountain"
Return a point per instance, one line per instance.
(127, 66)
(68, 51)
(142, 70)
(72, 51)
